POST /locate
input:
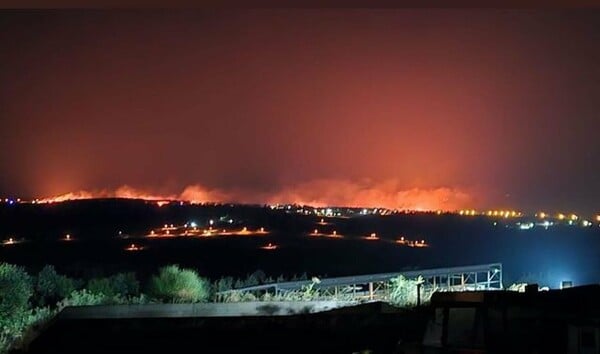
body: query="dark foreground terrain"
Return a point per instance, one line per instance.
(543, 255)
(555, 321)
(376, 327)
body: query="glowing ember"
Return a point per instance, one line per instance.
(373, 236)
(134, 247)
(269, 247)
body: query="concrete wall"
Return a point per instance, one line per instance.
(258, 308)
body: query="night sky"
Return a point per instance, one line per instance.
(398, 108)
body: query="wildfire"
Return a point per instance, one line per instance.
(318, 193)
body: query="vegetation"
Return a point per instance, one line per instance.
(15, 330)
(16, 289)
(51, 287)
(173, 284)
(306, 293)
(28, 302)
(121, 284)
(403, 291)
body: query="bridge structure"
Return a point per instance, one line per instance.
(377, 286)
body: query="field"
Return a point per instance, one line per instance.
(100, 237)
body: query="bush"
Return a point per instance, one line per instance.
(84, 297)
(125, 284)
(52, 287)
(121, 284)
(16, 288)
(20, 326)
(100, 286)
(403, 292)
(238, 296)
(178, 285)
(224, 284)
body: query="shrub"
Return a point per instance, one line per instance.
(16, 288)
(224, 284)
(20, 326)
(403, 292)
(258, 277)
(100, 286)
(309, 292)
(52, 287)
(173, 284)
(239, 283)
(125, 284)
(138, 300)
(83, 297)
(121, 284)
(238, 296)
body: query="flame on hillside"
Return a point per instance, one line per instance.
(318, 193)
